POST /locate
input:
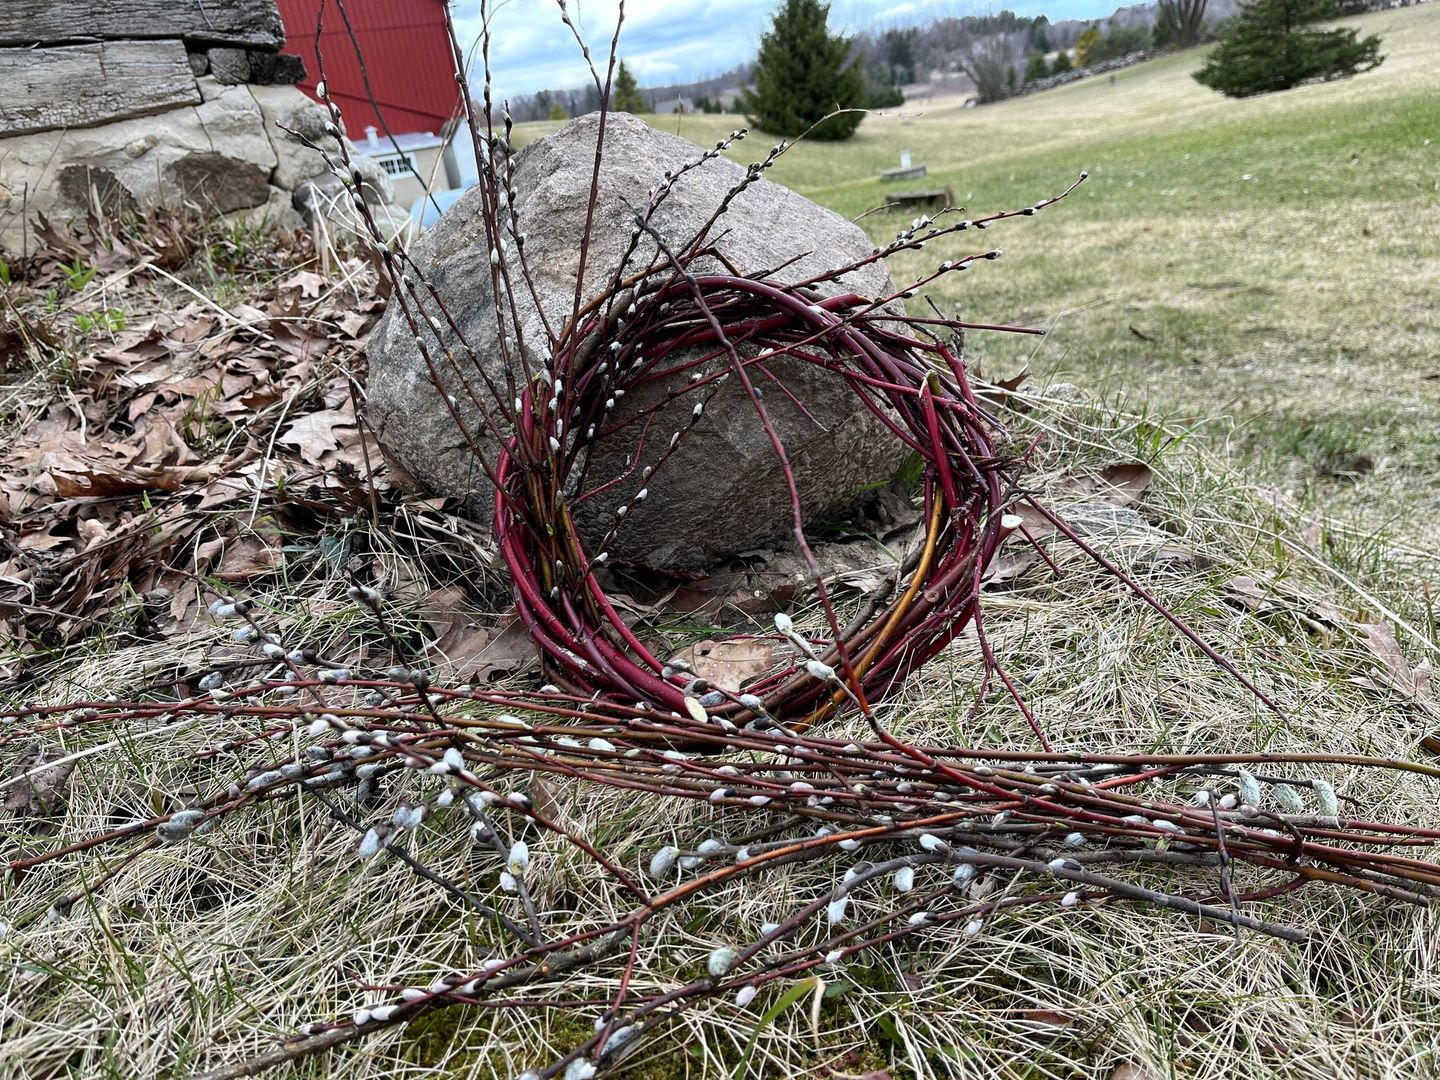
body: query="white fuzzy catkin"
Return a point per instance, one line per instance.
(1288, 798)
(1249, 787)
(663, 861)
(518, 860)
(369, 844)
(720, 961)
(819, 670)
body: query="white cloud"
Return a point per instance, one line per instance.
(667, 41)
(899, 11)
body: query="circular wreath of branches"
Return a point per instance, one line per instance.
(694, 324)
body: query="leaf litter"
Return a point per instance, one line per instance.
(154, 439)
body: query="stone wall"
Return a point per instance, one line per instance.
(1074, 75)
(124, 108)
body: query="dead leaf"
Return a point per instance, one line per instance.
(510, 651)
(1128, 1070)
(545, 798)
(318, 433)
(36, 795)
(1054, 1018)
(77, 477)
(248, 557)
(1002, 393)
(1379, 638)
(1247, 592)
(1009, 568)
(729, 665)
(1120, 485)
(473, 647)
(309, 283)
(897, 511)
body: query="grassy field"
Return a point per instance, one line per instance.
(1266, 268)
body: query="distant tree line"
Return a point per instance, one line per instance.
(561, 104)
(999, 52)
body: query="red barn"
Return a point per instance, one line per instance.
(407, 58)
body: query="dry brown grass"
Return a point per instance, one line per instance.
(204, 952)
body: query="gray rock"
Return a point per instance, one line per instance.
(215, 155)
(235, 124)
(276, 212)
(275, 69)
(230, 66)
(284, 109)
(250, 22)
(85, 85)
(220, 183)
(96, 188)
(723, 491)
(199, 63)
(325, 194)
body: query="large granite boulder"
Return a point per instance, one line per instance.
(723, 491)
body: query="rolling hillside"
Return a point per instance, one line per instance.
(1265, 266)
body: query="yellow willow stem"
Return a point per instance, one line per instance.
(932, 538)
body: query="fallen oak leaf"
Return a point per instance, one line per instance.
(309, 284)
(1246, 591)
(1009, 568)
(248, 557)
(318, 433)
(98, 481)
(729, 664)
(1379, 639)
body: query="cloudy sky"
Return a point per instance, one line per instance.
(669, 41)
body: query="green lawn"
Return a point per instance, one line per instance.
(1267, 266)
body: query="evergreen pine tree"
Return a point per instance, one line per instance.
(625, 94)
(1035, 67)
(1179, 22)
(1040, 35)
(1269, 48)
(1062, 63)
(802, 74)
